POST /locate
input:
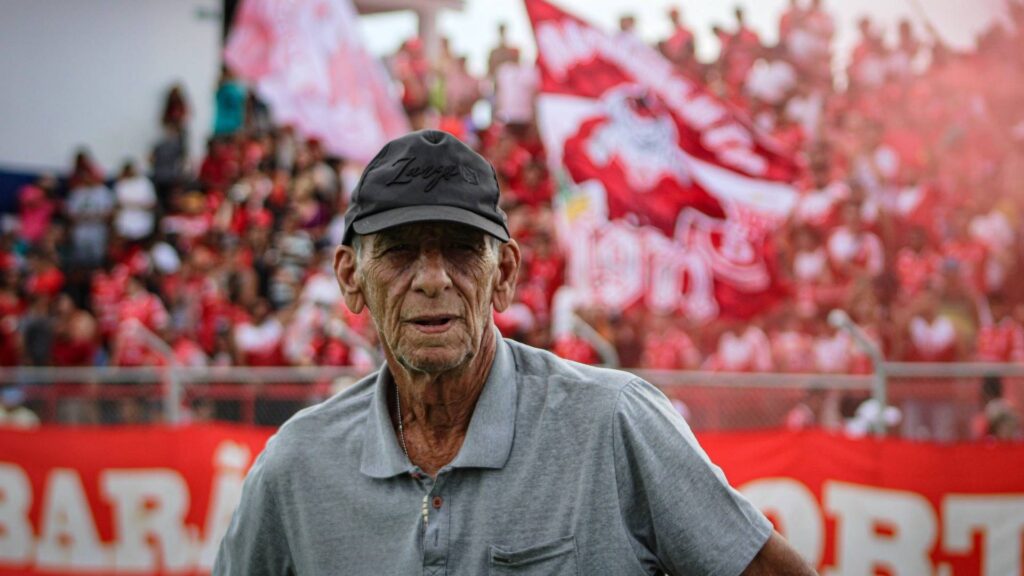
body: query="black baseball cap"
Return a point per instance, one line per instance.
(426, 176)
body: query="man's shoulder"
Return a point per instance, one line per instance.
(536, 363)
(336, 421)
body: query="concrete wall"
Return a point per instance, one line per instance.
(95, 73)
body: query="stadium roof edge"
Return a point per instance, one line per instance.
(378, 6)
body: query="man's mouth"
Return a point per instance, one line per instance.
(433, 323)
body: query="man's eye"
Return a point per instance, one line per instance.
(398, 249)
(463, 247)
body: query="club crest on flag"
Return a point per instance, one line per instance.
(669, 196)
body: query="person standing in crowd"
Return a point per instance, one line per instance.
(13, 412)
(502, 53)
(230, 102)
(169, 163)
(681, 46)
(37, 208)
(998, 420)
(176, 111)
(136, 205)
(90, 207)
(37, 332)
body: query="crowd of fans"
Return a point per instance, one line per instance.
(909, 216)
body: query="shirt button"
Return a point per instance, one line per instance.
(437, 502)
(416, 475)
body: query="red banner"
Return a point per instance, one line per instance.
(863, 507)
(157, 500)
(146, 500)
(669, 192)
(309, 65)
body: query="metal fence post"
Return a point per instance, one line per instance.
(880, 388)
(172, 400)
(173, 393)
(605, 349)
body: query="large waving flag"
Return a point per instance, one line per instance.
(669, 195)
(309, 65)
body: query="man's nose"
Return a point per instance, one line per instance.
(430, 274)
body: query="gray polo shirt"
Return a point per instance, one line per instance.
(565, 469)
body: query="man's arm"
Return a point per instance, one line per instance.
(256, 543)
(778, 558)
(677, 507)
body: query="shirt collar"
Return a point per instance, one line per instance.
(488, 441)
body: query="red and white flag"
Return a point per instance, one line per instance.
(309, 65)
(670, 194)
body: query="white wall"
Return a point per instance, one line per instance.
(95, 72)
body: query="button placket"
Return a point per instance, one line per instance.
(436, 524)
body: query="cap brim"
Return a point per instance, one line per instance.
(413, 214)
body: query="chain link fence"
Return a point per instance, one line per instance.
(107, 396)
(943, 402)
(954, 402)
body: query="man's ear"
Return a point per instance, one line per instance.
(345, 270)
(505, 281)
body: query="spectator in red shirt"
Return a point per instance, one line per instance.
(37, 208)
(917, 264)
(667, 346)
(44, 277)
(76, 341)
(739, 51)
(746, 350)
(853, 250)
(258, 341)
(681, 47)
(84, 171)
(1000, 336)
(142, 318)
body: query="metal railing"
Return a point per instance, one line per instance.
(941, 398)
(174, 388)
(713, 400)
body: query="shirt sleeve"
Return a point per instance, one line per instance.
(678, 508)
(255, 543)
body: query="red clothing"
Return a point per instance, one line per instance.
(48, 282)
(739, 52)
(1001, 342)
(746, 352)
(107, 290)
(219, 168)
(260, 344)
(671, 350)
(970, 255)
(576, 349)
(9, 340)
(916, 270)
(793, 351)
(132, 348)
(539, 194)
(67, 352)
(146, 308)
(36, 212)
(679, 45)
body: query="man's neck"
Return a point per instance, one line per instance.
(436, 409)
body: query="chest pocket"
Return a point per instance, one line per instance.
(554, 558)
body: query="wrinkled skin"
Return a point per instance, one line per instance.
(431, 289)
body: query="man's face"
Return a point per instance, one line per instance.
(429, 288)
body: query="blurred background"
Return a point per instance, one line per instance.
(793, 216)
(162, 204)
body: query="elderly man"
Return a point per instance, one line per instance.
(467, 454)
